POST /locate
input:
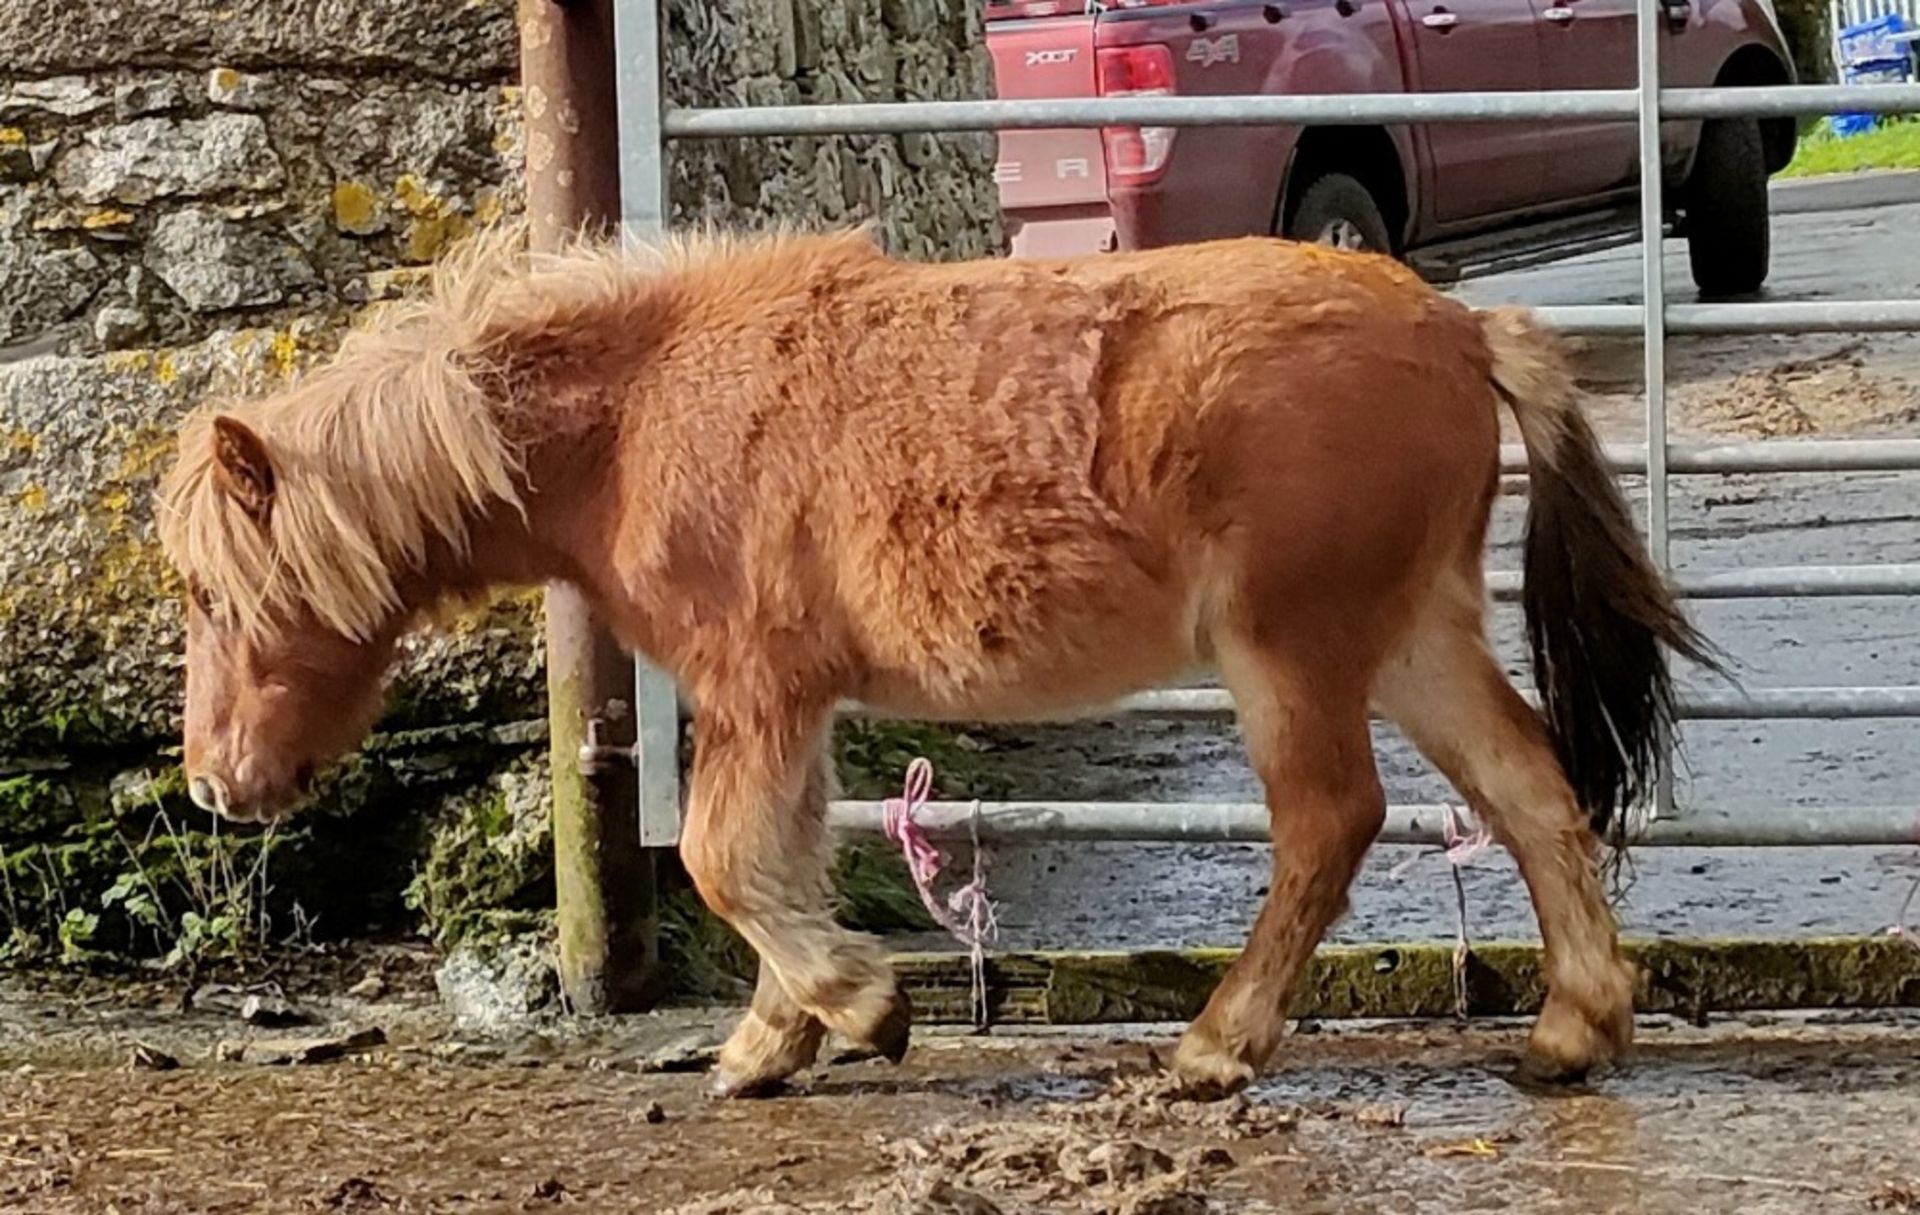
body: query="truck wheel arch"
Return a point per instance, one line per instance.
(1755, 65)
(1368, 154)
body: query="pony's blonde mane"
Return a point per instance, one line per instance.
(397, 443)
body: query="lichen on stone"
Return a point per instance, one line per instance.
(357, 209)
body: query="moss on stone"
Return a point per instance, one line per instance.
(488, 853)
(395, 821)
(32, 805)
(872, 757)
(1691, 978)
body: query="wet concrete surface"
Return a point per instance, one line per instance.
(1761, 1115)
(1723, 389)
(1862, 253)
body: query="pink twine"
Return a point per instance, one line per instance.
(1900, 930)
(968, 915)
(1462, 844)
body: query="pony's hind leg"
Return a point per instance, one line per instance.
(1307, 735)
(1449, 695)
(755, 845)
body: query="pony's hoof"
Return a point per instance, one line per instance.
(727, 1086)
(1203, 1071)
(1536, 1071)
(1567, 1045)
(891, 1037)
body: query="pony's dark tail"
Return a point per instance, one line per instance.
(1601, 620)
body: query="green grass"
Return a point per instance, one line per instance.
(1892, 145)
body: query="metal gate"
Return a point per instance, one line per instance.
(649, 127)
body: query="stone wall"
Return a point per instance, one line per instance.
(197, 197)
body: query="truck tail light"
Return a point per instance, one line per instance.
(1135, 155)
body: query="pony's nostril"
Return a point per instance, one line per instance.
(208, 793)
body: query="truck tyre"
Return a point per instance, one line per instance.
(1337, 210)
(1729, 233)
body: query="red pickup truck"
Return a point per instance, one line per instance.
(1450, 198)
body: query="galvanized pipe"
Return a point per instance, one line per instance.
(1353, 109)
(1781, 582)
(1769, 456)
(1349, 109)
(1247, 823)
(1706, 320)
(1654, 321)
(1838, 316)
(1790, 101)
(1807, 704)
(1647, 105)
(644, 211)
(1764, 704)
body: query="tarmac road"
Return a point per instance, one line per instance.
(1827, 254)
(1089, 896)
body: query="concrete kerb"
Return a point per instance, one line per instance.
(1688, 978)
(1846, 191)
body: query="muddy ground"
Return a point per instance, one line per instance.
(1763, 1115)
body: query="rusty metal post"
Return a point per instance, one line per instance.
(604, 880)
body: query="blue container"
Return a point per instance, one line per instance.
(1871, 45)
(1869, 54)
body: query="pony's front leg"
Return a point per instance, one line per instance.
(777, 1037)
(756, 847)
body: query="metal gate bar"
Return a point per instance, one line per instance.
(1767, 456)
(1346, 109)
(1653, 301)
(1847, 316)
(644, 214)
(1778, 582)
(1246, 823)
(648, 125)
(1761, 704)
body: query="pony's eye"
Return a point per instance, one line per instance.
(203, 599)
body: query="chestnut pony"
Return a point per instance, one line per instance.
(793, 470)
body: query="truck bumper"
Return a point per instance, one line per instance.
(1060, 235)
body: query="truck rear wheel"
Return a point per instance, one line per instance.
(1729, 231)
(1337, 210)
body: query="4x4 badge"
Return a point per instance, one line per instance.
(1210, 51)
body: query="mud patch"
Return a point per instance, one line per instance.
(1826, 392)
(1134, 1149)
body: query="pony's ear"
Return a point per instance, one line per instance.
(242, 468)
